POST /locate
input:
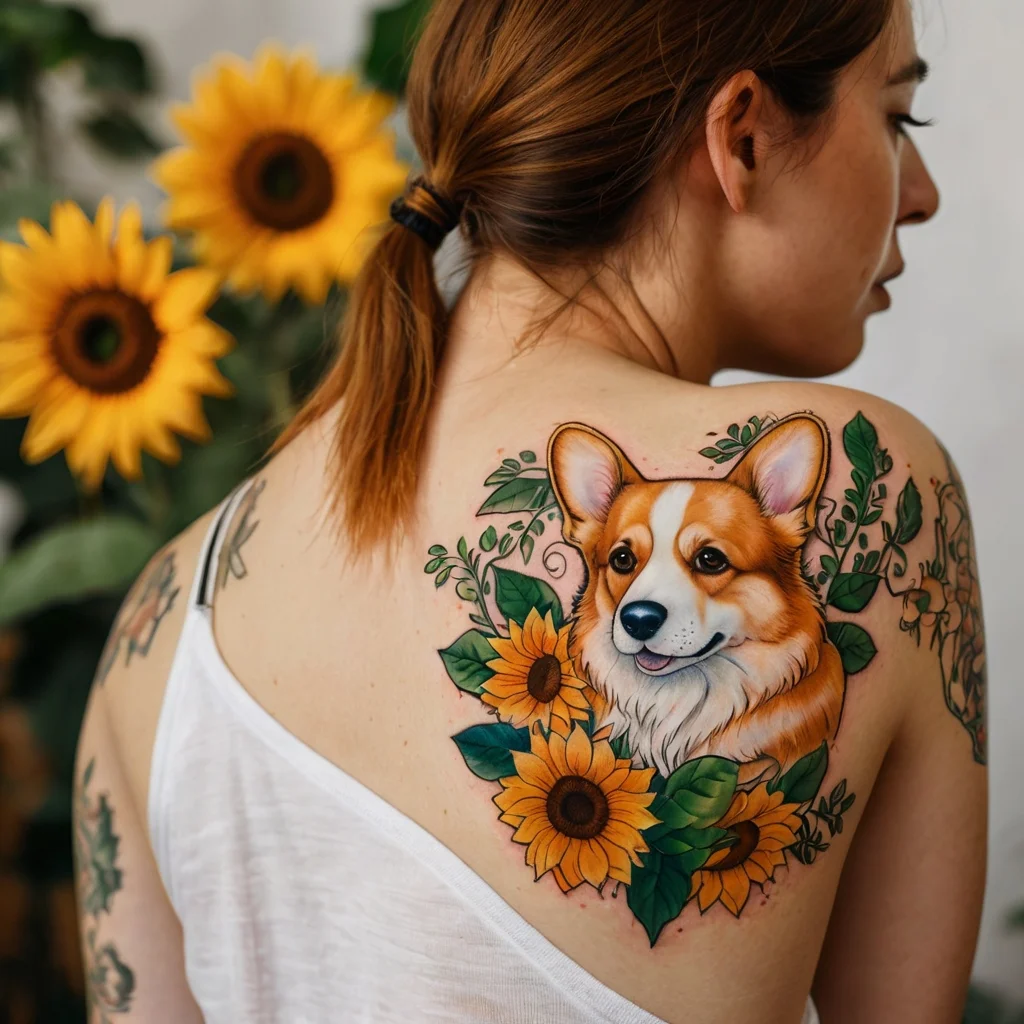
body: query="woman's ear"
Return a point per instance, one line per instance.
(735, 135)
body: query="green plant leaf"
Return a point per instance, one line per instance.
(801, 782)
(487, 749)
(908, 513)
(437, 549)
(121, 135)
(466, 661)
(516, 593)
(658, 891)
(489, 538)
(854, 644)
(829, 564)
(528, 457)
(523, 494)
(116, 63)
(526, 547)
(860, 441)
(703, 789)
(393, 34)
(74, 561)
(851, 591)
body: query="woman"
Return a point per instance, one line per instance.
(711, 658)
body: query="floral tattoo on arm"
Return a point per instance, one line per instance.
(645, 732)
(110, 981)
(139, 618)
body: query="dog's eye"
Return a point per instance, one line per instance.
(710, 561)
(622, 560)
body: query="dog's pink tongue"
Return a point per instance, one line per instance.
(652, 662)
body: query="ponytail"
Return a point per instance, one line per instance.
(384, 377)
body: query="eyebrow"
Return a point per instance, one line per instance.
(916, 71)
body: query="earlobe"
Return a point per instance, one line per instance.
(587, 474)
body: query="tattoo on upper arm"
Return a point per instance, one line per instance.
(110, 981)
(141, 614)
(231, 562)
(946, 605)
(666, 677)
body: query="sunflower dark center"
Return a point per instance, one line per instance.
(577, 807)
(284, 181)
(747, 834)
(545, 678)
(105, 341)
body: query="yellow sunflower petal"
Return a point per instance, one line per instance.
(157, 265)
(555, 852)
(52, 424)
(710, 889)
(532, 770)
(603, 762)
(187, 295)
(578, 752)
(593, 863)
(735, 889)
(620, 867)
(19, 390)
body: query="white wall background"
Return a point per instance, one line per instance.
(951, 350)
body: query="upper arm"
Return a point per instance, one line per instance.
(131, 938)
(903, 930)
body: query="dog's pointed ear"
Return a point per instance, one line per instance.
(587, 474)
(785, 470)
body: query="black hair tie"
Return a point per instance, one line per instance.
(430, 230)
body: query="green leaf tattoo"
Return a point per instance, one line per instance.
(111, 982)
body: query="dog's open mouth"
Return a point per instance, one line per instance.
(651, 662)
(648, 661)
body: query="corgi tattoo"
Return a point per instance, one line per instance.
(695, 622)
(663, 662)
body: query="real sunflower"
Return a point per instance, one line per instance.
(535, 677)
(285, 169)
(101, 346)
(764, 826)
(577, 808)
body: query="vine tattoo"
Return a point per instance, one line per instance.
(231, 561)
(644, 733)
(110, 981)
(140, 617)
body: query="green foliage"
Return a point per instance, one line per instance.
(74, 561)
(854, 644)
(393, 34)
(516, 593)
(688, 804)
(487, 749)
(466, 661)
(658, 891)
(739, 439)
(801, 782)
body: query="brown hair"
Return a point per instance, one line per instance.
(547, 121)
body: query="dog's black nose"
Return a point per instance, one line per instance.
(642, 619)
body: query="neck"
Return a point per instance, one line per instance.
(647, 323)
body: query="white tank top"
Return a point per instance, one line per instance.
(305, 898)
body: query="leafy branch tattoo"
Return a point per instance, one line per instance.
(110, 981)
(231, 561)
(140, 616)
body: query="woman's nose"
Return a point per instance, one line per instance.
(919, 196)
